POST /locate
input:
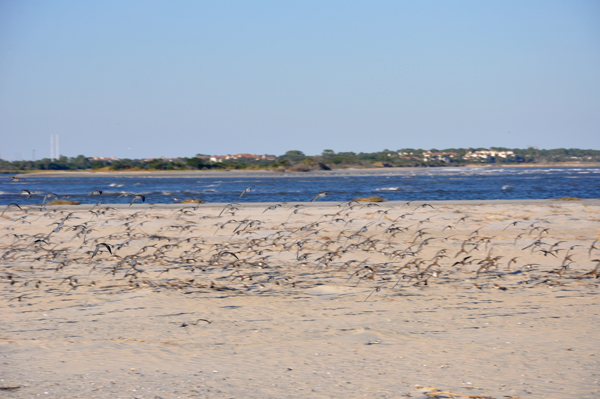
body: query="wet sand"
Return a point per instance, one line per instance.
(476, 298)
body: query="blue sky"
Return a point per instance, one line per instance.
(155, 78)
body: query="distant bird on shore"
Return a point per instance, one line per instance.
(320, 195)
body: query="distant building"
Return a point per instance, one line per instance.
(162, 159)
(485, 154)
(221, 158)
(104, 159)
(439, 156)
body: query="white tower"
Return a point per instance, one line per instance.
(51, 147)
(57, 152)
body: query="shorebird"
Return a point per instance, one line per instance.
(596, 271)
(13, 204)
(95, 192)
(512, 224)
(592, 247)
(423, 206)
(272, 208)
(320, 195)
(49, 196)
(231, 208)
(102, 244)
(244, 192)
(513, 260)
(140, 196)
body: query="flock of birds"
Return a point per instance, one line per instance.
(243, 248)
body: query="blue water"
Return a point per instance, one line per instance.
(422, 185)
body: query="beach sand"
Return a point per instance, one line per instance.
(321, 300)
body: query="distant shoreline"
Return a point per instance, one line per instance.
(274, 173)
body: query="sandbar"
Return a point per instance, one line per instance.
(323, 300)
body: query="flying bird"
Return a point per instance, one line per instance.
(244, 192)
(272, 208)
(49, 196)
(136, 197)
(13, 204)
(320, 195)
(102, 244)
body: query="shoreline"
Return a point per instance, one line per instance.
(273, 173)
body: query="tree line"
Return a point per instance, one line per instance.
(295, 160)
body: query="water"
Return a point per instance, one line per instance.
(422, 185)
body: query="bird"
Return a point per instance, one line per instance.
(272, 208)
(423, 206)
(513, 260)
(136, 197)
(320, 195)
(592, 247)
(512, 224)
(244, 192)
(95, 192)
(102, 244)
(13, 204)
(231, 208)
(49, 196)
(220, 255)
(25, 192)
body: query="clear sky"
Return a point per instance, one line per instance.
(149, 78)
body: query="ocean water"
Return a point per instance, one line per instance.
(420, 185)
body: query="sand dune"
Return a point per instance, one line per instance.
(481, 299)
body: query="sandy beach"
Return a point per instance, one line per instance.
(476, 299)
